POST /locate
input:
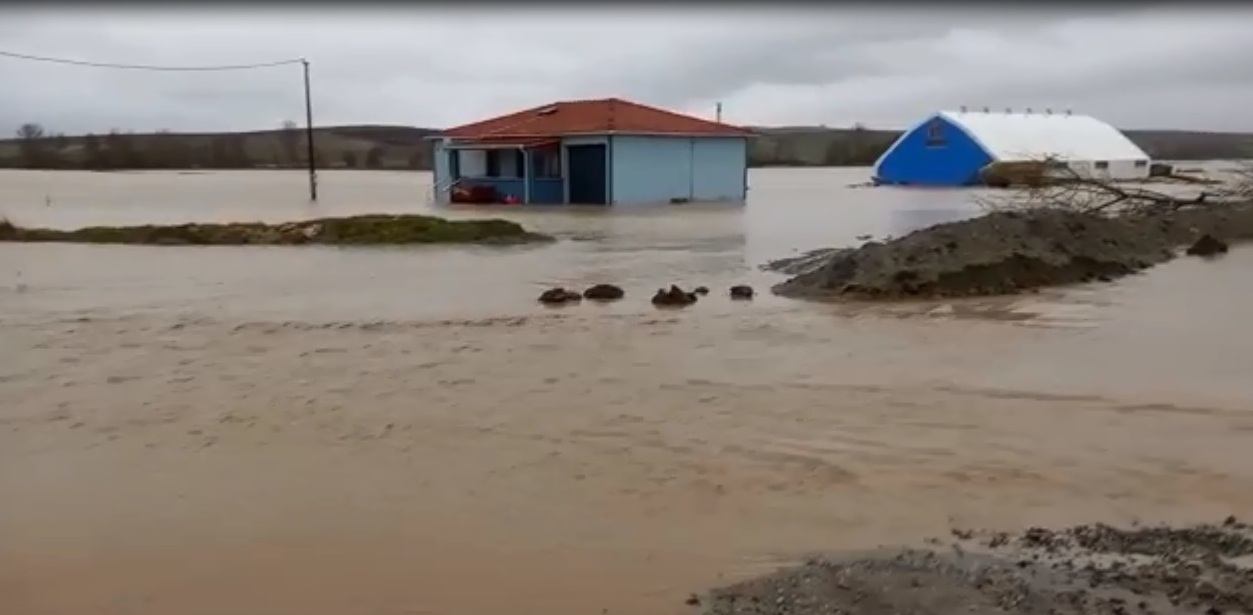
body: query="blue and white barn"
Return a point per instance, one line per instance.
(951, 147)
(592, 152)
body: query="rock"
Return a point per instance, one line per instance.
(741, 292)
(559, 296)
(674, 296)
(604, 292)
(1207, 245)
(701, 290)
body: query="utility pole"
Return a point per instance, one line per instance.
(313, 169)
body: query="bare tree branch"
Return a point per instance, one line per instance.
(1052, 184)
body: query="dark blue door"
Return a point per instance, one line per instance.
(588, 185)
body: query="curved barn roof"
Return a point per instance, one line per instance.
(1031, 136)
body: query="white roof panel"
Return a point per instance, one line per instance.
(1031, 136)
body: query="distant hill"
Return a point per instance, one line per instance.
(366, 146)
(405, 147)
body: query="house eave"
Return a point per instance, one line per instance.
(645, 133)
(607, 133)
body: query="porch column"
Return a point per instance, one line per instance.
(526, 175)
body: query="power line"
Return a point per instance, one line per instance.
(34, 58)
(313, 181)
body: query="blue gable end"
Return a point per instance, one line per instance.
(933, 153)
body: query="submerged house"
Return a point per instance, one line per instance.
(950, 148)
(609, 151)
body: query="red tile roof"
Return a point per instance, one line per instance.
(609, 115)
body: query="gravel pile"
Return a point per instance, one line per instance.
(1091, 570)
(1005, 253)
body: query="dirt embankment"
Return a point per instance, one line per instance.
(1090, 570)
(1005, 253)
(354, 230)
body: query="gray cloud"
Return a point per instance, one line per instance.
(1134, 66)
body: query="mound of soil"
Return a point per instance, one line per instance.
(1091, 569)
(1005, 253)
(354, 230)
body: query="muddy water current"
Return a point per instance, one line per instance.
(365, 431)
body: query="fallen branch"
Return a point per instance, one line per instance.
(1059, 186)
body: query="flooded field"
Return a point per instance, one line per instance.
(321, 430)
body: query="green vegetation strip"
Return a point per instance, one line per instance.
(354, 230)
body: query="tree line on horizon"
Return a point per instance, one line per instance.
(386, 148)
(37, 148)
(287, 148)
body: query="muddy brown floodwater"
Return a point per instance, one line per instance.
(372, 431)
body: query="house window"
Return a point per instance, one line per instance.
(1101, 165)
(493, 163)
(1140, 164)
(935, 134)
(503, 163)
(547, 163)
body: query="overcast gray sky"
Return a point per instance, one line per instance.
(1134, 67)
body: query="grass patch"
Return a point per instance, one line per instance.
(374, 229)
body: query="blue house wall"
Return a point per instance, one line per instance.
(720, 169)
(650, 169)
(934, 153)
(656, 169)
